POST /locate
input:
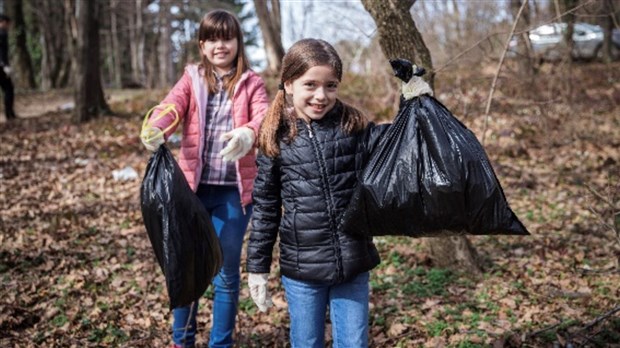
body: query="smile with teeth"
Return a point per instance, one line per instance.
(317, 107)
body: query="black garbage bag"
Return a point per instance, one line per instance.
(180, 230)
(428, 176)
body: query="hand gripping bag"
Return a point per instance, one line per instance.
(428, 176)
(180, 230)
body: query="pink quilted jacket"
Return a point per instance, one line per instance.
(189, 95)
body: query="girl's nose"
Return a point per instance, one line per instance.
(320, 93)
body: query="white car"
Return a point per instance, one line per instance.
(547, 41)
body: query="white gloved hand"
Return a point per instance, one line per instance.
(258, 290)
(7, 70)
(415, 87)
(240, 141)
(152, 138)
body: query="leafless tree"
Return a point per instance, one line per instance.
(269, 20)
(23, 61)
(89, 99)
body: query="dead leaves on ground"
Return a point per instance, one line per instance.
(77, 268)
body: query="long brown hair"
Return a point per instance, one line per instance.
(303, 55)
(220, 24)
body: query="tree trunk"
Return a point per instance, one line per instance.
(137, 45)
(269, 20)
(23, 61)
(165, 45)
(524, 45)
(56, 41)
(89, 99)
(607, 23)
(394, 22)
(116, 50)
(71, 29)
(569, 19)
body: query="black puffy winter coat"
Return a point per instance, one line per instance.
(302, 194)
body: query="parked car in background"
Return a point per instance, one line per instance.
(547, 41)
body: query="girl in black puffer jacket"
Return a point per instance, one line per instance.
(312, 147)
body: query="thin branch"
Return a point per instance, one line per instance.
(538, 332)
(601, 318)
(534, 26)
(601, 197)
(499, 68)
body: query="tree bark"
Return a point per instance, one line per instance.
(23, 61)
(607, 23)
(524, 45)
(116, 50)
(71, 29)
(569, 19)
(165, 45)
(136, 43)
(56, 41)
(89, 99)
(269, 20)
(399, 38)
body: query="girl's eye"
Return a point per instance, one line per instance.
(309, 84)
(332, 85)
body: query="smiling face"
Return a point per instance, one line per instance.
(220, 52)
(314, 93)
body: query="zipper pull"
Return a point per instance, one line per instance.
(309, 129)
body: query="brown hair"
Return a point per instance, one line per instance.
(278, 122)
(220, 24)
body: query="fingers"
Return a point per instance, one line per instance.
(234, 155)
(231, 148)
(226, 136)
(260, 296)
(152, 138)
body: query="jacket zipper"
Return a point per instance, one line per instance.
(328, 199)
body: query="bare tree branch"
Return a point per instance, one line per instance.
(449, 62)
(499, 68)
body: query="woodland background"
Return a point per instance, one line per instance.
(76, 266)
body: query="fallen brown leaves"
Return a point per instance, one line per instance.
(77, 268)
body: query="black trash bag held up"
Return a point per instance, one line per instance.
(180, 230)
(428, 176)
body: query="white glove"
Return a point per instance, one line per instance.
(152, 138)
(258, 290)
(415, 87)
(240, 141)
(7, 70)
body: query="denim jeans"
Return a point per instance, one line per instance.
(348, 311)
(223, 203)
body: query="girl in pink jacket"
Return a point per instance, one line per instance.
(221, 103)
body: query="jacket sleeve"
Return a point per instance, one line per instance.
(179, 96)
(266, 215)
(259, 103)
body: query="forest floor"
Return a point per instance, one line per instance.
(77, 268)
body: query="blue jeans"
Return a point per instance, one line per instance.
(223, 203)
(348, 311)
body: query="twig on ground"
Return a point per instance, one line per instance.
(601, 197)
(601, 318)
(538, 332)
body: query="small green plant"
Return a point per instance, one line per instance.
(60, 320)
(436, 328)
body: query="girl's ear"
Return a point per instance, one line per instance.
(288, 87)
